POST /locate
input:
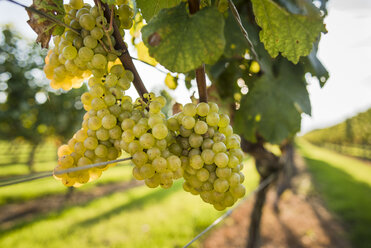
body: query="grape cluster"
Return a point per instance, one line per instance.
(197, 143)
(210, 154)
(146, 137)
(76, 56)
(99, 138)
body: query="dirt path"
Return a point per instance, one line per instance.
(303, 221)
(12, 214)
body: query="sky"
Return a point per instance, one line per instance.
(345, 51)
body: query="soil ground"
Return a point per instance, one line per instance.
(303, 221)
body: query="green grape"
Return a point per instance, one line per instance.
(102, 134)
(94, 123)
(159, 164)
(221, 185)
(189, 109)
(91, 143)
(207, 156)
(139, 130)
(238, 191)
(81, 12)
(69, 52)
(188, 122)
(147, 140)
(115, 133)
(212, 119)
(101, 151)
(97, 33)
(160, 131)
(99, 61)
(76, 4)
(153, 153)
(90, 42)
(195, 140)
(224, 120)
(155, 107)
(200, 127)
(196, 162)
(219, 147)
(85, 54)
(202, 109)
(97, 104)
(223, 172)
(140, 158)
(125, 11)
(221, 159)
(174, 162)
(202, 175)
(87, 21)
(147, 171)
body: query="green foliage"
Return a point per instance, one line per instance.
(291, 34)
(274, 105)
(235, 42)
(344, 183)
(150, 8)
(30, 108)
(353, 131)
(181, 42)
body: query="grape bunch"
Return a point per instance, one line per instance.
(76, 56)
(99, 138)
(197, 143)
(210, 154)
(146, 137)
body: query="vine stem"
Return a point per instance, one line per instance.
(125, 57)
(49, 17)
(194, 6)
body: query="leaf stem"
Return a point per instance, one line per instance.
(49, 17)
(194, 6)
(125, 57)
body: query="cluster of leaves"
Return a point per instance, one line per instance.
(353, 131)
(265, 100)
(29, 108)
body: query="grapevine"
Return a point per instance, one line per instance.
(198, 143)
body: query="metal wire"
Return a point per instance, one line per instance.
(21, 179)
(229, 212)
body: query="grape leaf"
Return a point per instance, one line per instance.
(42, 26)
(315, 67)
(274, 105)
(181, 42)
(236, 44)
(291, 34)
(143, 55)
(150, 8)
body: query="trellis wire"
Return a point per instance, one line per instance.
(16, 180)
(229, 212)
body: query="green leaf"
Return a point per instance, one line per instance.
(291, 34)
(274, 105)
(315, 67)
(181, 42)
(150, 8)
(235, 42)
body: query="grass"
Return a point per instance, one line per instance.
(140, 217)
(45, 160)
(345, 185)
